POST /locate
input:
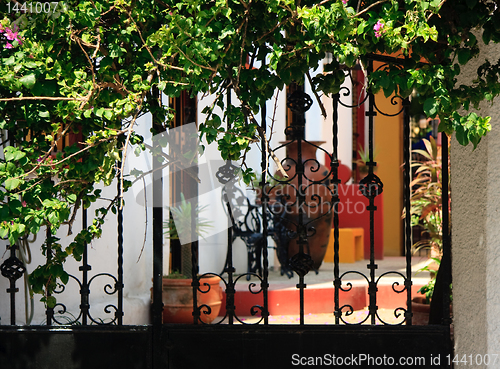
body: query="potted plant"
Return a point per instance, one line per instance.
(421, 305)
(177, 294)
(426, 212)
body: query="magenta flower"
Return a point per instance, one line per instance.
(378, 28)
(24, 204)
(1, 28)
(10, 35)
(344, 2)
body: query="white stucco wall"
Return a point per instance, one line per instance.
(475, 184)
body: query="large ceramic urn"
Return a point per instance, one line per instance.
(307, 199)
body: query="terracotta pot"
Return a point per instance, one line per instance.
(177, 300)
(318, 201)
(420, 310)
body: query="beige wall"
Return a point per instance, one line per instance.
(475, 188)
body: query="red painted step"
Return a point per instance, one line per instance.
(318, 299)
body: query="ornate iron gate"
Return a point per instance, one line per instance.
(242, 345)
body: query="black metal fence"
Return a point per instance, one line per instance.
(302, 194)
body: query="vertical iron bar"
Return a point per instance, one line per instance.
(230, 289)
(446, 259)
(336, 271)
(119, 287)
(84, 268)
(407, 206)
(302, 233)
(194, 254)
(157, 188)
(49, 311)
(372, 288)
(264, 200)
(194, 276)
(12, 290)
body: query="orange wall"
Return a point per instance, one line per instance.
(388, 132)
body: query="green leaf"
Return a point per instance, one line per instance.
(461, 136)
(51, 301)
(9, 61)
(72, 198)
(12, 183)
(108, 114)
(486, 35)
(28, 81)
(12, 153)
(463, 56)
(4, 232)
(64, 277)
(431, 107)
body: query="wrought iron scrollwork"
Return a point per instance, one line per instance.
(12, 268)
(301, 264)
(109, 290)
(299, 102)
(61, 314)
(346, 92)
(371, 186)
(395, 100)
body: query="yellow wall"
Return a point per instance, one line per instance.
(388, 132)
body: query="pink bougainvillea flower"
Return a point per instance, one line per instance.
(1, 28)
(10, 34)
(378, 28)
(344, 2)
(24, 204)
